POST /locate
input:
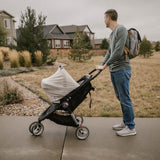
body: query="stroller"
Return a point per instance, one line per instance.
(62, 112)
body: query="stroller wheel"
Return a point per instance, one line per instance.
(82, 133)
(31, 127)
(79, 119)
(36, 128)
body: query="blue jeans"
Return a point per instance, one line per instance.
(120, 81)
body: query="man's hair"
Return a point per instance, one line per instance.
(112, 13)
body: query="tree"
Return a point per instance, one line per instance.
(3, 35)
(145, 48)
(157, 47)
(86, 41)
(104, 44)
(81, 47)
(30, 34)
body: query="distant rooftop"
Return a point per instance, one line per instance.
(73, 28)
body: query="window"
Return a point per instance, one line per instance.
(66, 43)
(57, 43)
(7, 23)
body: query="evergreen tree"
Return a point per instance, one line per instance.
(81, 47)
(30, 34)
(145, 48)
(157, 47)
(86, 41)
(3, 35)
(104, 44)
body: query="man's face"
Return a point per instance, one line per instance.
(107, 20)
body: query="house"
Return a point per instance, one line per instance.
(56, 37)
(98, 43)
(70, 30)
(8, 22)
(62, 36)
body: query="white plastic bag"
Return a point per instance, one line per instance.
(58, 85)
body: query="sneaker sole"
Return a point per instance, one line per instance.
(125, 135)
(117, 129)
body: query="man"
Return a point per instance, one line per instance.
(120, 71)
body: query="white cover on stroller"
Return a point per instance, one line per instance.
(58, 85)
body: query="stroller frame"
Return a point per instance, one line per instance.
(67, 106)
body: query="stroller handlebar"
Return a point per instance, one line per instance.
(99, 71)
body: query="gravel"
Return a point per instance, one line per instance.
(31, 106)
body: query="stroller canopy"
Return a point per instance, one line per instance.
(58, 85)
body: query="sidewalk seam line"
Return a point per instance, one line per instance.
(63, 144)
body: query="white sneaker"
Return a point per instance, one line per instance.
(118, 127)
(126, 132)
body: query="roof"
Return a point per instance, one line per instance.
(3, 11)
(73, 28)
(49, 34)
(47, 29)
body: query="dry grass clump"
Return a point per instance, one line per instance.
(14, 59)
(9, 94)
(38, 58)
(25, 59)
(5, 51)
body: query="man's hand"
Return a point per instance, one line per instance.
(100, 67)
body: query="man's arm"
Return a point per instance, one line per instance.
(119, 46)
(103, 64)
(106, 57)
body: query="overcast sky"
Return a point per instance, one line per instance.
(144, 15)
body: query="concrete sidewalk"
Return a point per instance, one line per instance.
(59, 142)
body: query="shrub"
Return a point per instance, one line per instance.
(9, 95)
(80, 55)
(5, 51)
(1, 60)
(25, 59)
(157, 47)
(50, 60)
(145, 48)
(104, 44)
(21, 59)
(38, 58)
(14, 59)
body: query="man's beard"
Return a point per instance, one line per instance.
(107, 25)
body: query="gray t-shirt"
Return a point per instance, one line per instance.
(115, 57)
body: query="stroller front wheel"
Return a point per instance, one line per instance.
(79, 119)
(36, 128)
(82, 133)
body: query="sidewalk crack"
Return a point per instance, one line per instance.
(63, 143)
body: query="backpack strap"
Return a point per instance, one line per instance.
(126, 51)
(139, 37)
